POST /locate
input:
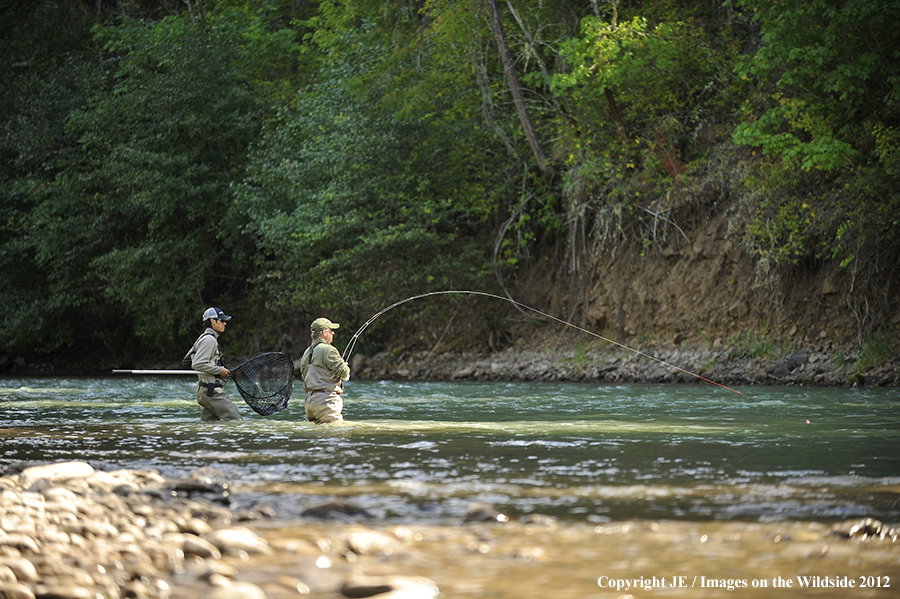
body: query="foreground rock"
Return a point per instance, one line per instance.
(70, 532)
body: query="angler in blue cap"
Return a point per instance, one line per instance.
(206, 358)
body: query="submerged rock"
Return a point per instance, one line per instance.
(385, 587)
(483, 512)
(334, 508)
(867, 528)
(370, 542)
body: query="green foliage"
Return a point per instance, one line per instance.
(832, 69)
(359, 228)
(43, 83)
(751, 344)
(880, 347)
(825, 113)
(135, 225)
(661, 71)
(667, 79)
(324, 155)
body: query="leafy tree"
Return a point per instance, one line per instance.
(42, 84)
(338, 155)
(641, 85)
(355, 206)
(826, 116)
(137, 229)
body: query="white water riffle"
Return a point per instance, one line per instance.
(427, 451)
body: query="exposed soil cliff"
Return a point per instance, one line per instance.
(698, 301)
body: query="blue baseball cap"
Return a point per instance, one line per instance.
(215, 313)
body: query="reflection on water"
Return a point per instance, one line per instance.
(584, 453)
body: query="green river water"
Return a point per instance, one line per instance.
(642, 480)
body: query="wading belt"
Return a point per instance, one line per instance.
(211, 387)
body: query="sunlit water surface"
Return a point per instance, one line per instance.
(427, 451)
(710, 493)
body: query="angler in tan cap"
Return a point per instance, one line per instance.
(323, 371)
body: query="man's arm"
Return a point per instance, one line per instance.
(335, 364)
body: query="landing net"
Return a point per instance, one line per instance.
(265, 382)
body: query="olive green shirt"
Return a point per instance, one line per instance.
(322, 367)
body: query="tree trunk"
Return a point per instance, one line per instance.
(617, 118)
(610, 100)
(515, 87)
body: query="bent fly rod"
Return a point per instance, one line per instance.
(356, 335)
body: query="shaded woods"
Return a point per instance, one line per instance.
(286, 159)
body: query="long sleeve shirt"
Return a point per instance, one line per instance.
(207, 358)
(322, 367)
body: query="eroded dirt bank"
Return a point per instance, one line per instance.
(697, 302)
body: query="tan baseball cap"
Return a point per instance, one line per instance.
(320, 324)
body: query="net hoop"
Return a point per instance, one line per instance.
(265, 382)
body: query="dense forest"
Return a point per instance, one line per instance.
(287, 159)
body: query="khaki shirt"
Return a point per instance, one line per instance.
(207, 358)
(322, 367)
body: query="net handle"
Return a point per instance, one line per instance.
(281, 360)
(155, 372)
(235, 369)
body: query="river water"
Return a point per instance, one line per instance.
(665, 466)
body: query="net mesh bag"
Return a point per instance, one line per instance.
(265, 382)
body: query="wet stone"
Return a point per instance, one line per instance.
(235, 540)
(369, 542)
(62, 592)
(408, 587)
(104, 535)
(334, 509)
(196, 526)
(540, 520)
(866, 528)
(21, 567)
(125, 490)
(61, 470)
(14, 590)
(295, 584)
(238, 590)
(203, 569)
(195, 545)
(21, 542)
(483, 512)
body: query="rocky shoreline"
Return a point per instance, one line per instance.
(803, 367)
(72, 532)
(542, 361)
